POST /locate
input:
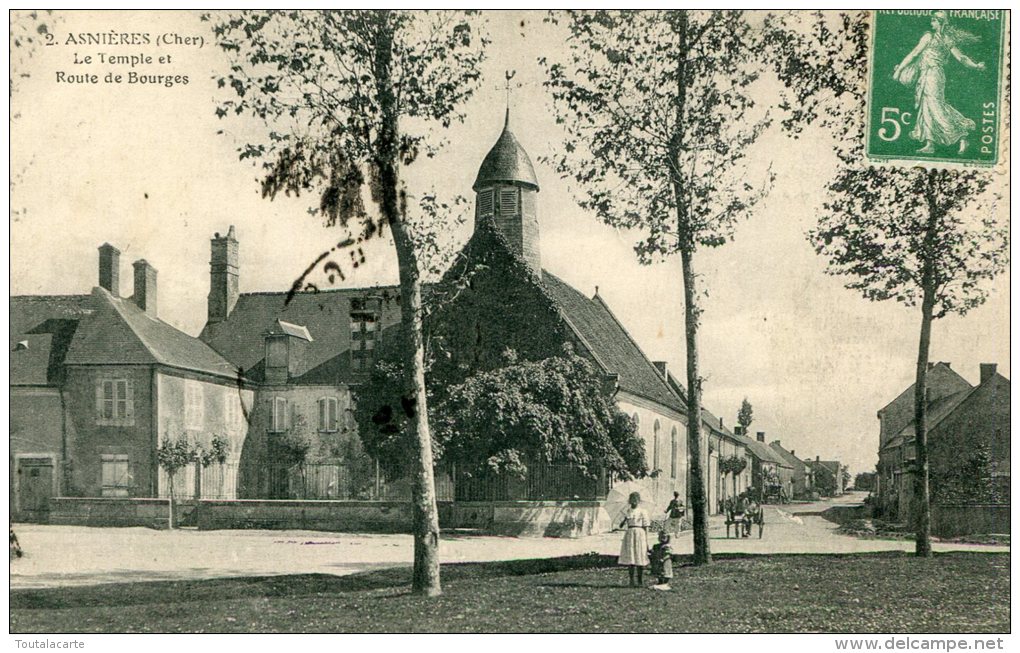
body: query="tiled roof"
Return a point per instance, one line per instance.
(506, 161)
(599, 329)
(791, 460)
(764, 452)
(46, 324)
(325, 315)
(118, 332)
(938, 410)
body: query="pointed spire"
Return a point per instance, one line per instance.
(506, 121)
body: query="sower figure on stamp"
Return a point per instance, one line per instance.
(634, 550)
(937, 122)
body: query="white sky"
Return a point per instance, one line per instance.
(144, 168)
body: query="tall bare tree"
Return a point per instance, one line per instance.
(659, 116)
(927, 238)
(346, 100)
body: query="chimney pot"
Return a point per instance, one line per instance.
(109, 268)
(145, 287)
(818, 459)
(988, 371)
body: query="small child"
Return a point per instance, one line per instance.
(661, 557)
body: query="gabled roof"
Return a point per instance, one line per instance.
(765, 453)
(293, 330)
(46, 324)
(325, 316)
(831, 466)
(118, 332)
(790, 459)
(610, 343)
(938, 410)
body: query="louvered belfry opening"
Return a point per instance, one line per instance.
(506, 193)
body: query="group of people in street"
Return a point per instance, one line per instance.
(743, 510)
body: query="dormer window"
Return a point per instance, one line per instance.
(485, 202)
(508, 198)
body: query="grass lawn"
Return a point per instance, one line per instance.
(886, 592)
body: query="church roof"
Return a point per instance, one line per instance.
(610, 343)
(506, 161)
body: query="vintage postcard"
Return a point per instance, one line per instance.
(689, 321)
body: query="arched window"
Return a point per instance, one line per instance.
(655, 446)
(672, 454)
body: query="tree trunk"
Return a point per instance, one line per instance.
(922, 505)
(170, 519)
(425, 578)
(702, 553)
(921, 500)
(426, 514)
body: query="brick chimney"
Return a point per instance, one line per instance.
(223, 276)
(818, 459)
(988, 371)
(109, 268)
(761, 436)
(145, 287)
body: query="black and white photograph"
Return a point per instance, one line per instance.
(570, 321)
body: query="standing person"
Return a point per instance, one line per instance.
(662, 561)
(634, 551)
(937, 121)
(675, 511)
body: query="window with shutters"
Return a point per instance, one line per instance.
(116, 475)
(194, 405)
(115, 402)
(279, 406)
(485, 202)
(231, 410)
(328, 414)
(508, 201)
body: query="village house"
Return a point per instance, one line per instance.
(828, 476)
(797, 476)
(98, 380)
(968, 447)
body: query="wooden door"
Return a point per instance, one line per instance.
(35, 487)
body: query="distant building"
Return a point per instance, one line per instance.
(828, 477)
(800, 475)
(969, 453)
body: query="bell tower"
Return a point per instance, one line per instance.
(506, 192)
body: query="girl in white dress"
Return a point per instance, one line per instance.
(634, 552)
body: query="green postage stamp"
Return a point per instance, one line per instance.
(935, 85)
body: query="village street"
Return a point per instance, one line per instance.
(70, 555)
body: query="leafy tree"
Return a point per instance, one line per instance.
(865, 481)
(346, 99)
(927, 238)
(172, 456)
(745, 416)
(659, 117)
(734, 465)
(556, 410)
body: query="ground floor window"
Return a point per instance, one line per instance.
(116, 481)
